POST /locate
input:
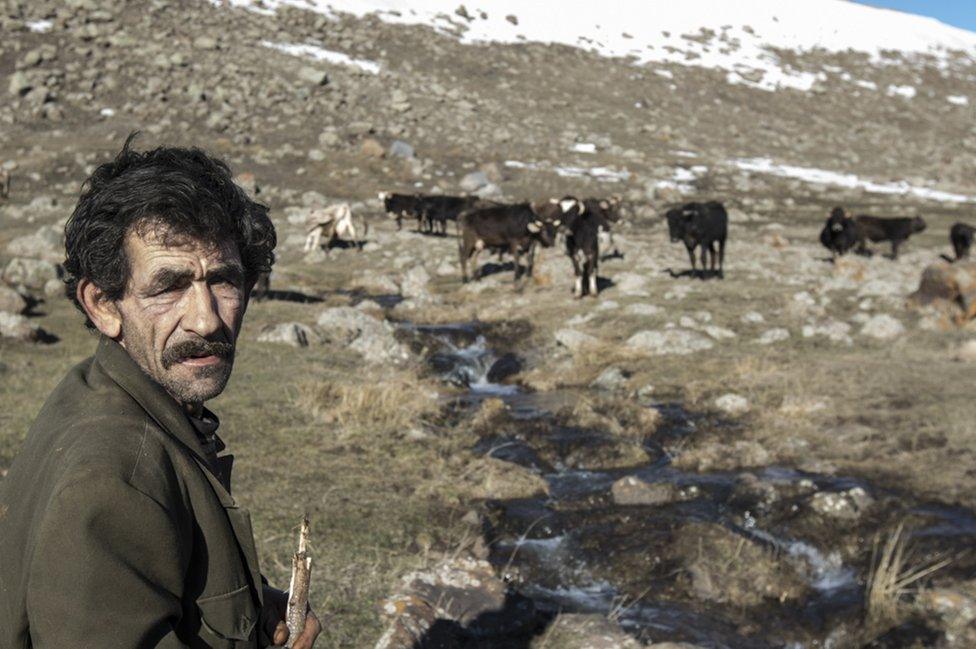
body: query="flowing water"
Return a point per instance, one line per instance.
(578, 551)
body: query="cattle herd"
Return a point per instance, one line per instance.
(586, 224)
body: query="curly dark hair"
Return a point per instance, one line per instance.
(187, 191)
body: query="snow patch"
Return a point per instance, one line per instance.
(584, 147)
(322, 54)
(40, 26)
(851, 181)
(905, 91)
(958, 100)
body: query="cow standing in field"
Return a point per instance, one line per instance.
(607, 212)
(839, 234)
(583, 229)
(961, 237)
(876, 229)
(401, 206)
(331, 223)
(701, 224)
(516, 228)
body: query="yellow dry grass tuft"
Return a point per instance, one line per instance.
(891, 579)
(384, 404)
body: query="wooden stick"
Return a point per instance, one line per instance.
(301, 573)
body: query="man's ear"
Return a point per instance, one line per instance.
(104, 313)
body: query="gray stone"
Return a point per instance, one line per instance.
(631, 490)
(47, 243)
(364, 334)
(11, 301)
(732, 404)
(29, 273)
(669, 341)
(313, 76)
(474, 181)
(400, 149)
(574, 340)
(18, 327)
(414, 284)
(612, 378)
(771, 336)
(882, 327)
(19, 84)
(289, 333)
(844, 505)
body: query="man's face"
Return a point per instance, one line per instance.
(182, 311)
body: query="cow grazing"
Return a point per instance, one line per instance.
(401, 206)
(701, 224)
(961, 237)
(876, 229)
(516, 228)
(331, 223)
(840, 233)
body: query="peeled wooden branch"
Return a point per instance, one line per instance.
(301, 573)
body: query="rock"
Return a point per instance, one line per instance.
(587, 631)
(834, 330)
(463, 597)
(882, 327)
(631, 490)
(414, 284)
(474, 181)
(719, 333)
(753, 317)
(574, 340)
(371, 148)
(400, 149)
(845, 505)
(364, 334)
(11, 301)
(29, 273)
(642, 309)
(18, 327)
(204, 43)
(631, 284)
(512, 18)
(771, 336)
(506, 366)
(19, 84)
(612, 378)
(669, 341)
(491, 190)
(54, 288)
(290, 333)
(313, 76)
(953, 611)
(47, 243)
(732, 404)
(965, 353)
(950, 287)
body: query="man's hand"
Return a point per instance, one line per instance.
(276, 605)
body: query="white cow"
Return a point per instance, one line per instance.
(331, 223)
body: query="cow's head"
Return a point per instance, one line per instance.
(837, 213)
(918, 224)
(543, 231)
(677, 222)
(383, 195)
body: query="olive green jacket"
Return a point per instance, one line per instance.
(114, 532)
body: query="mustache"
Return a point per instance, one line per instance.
(195, 348)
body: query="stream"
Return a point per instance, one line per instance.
(578, 550)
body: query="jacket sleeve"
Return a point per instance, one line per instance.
(107, 569)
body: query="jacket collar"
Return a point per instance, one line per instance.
(163, 408)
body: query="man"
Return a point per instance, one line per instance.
(117, 525)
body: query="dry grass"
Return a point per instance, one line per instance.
(621, 418)
(893, 574)
(388, 403)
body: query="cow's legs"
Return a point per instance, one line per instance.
(691, 256)
(516, 254)
(312, 240)
(531, 264)
(894, 248)
(578, 275)
(704, 253)
(721, 258)
(592, 263)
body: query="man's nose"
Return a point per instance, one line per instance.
(201, 315)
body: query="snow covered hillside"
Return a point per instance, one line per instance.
(740, 37)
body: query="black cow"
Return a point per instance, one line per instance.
(607, 212)
(516, 228)
(402, 206)
(701, 224)
(441, 209)
(961, 236)
(896, 230)
(583, 228)
(840, 233)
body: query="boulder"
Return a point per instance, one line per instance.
(414, 283)
(11, 301)
(47, 243)
(950, 287)
(400, 149)
(631, 490)
(574, 340)
(364, 334)
(669, 341)
(18, 327)
(474, 181)
(882, 327)
(732, 404)
(32, 274)
(771, 336)
(289, 333)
